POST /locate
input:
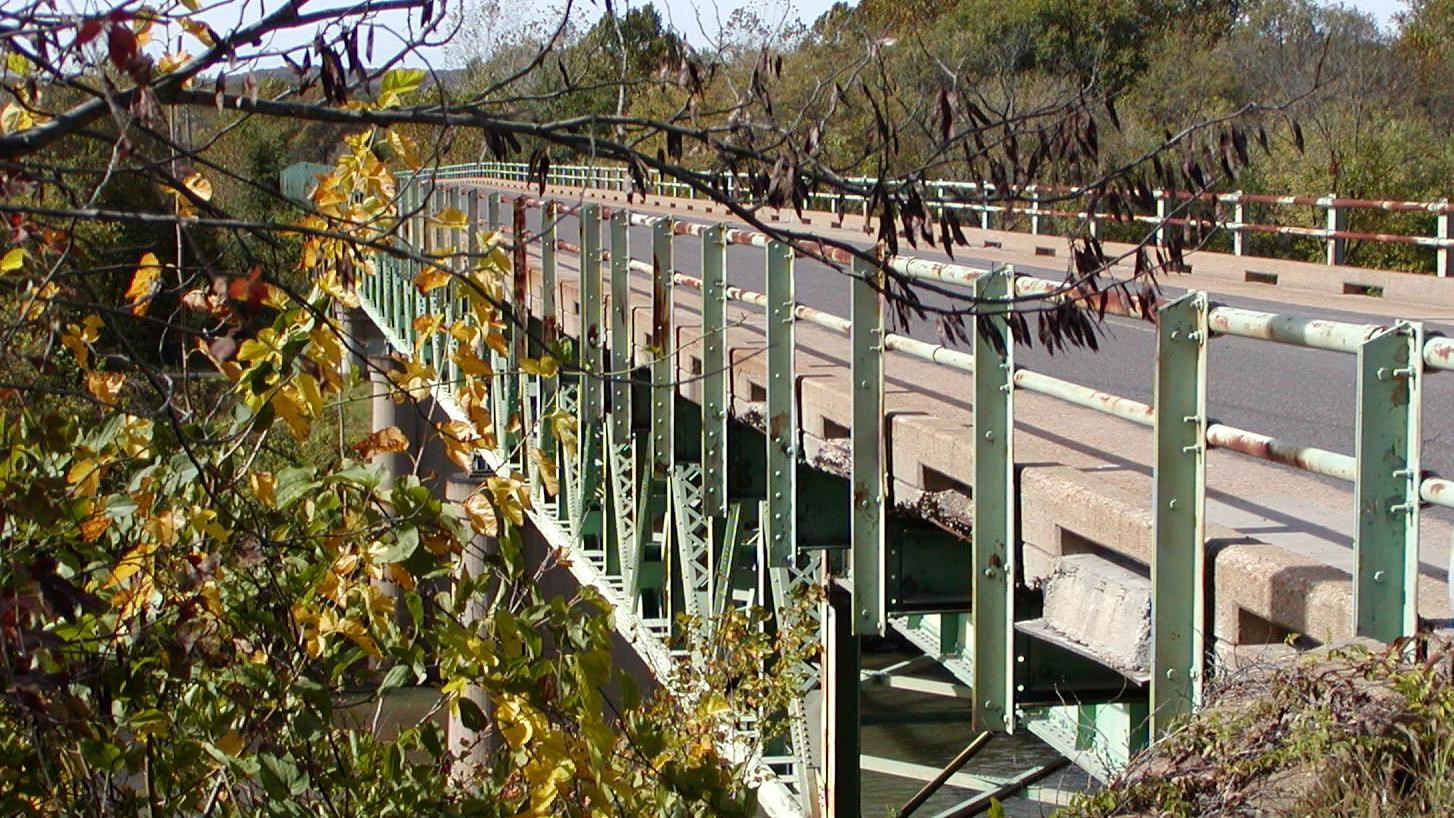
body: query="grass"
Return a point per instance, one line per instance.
(1344, 733)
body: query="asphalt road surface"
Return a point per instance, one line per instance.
(1304, 396)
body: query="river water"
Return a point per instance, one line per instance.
(930, 730)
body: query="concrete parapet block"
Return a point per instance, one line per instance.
(1102, 606)
(1076, 512)
(1256, 582)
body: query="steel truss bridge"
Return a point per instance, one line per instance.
(690, 494)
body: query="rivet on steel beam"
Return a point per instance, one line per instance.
(1171, 503)
(1194, 336)
(1401, 507)
(1378, 576)
(989, 435)
(1192, 449)
(1171, 673)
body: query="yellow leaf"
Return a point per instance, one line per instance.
(415, 379)
(481, 513)
(196, 29)
(386, 440)
(144, 284)
(94, 526)
(497, 342)
(514, 723)
(131, 563)
(200, 187)
(452, 218)
(471, 364)
(544, 366)
(15, 118)
(13, 260)
(171, 62)
(545, 467)
(289, 407)
(18, 64)
(85, 475)
(424, 328)
(461, 441)
(431, 278)
(263, 486)
(78, 338)
(230, 743)
(105, 386)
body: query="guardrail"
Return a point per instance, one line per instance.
(1389, 486)
(1036, 206)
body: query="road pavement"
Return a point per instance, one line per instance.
(1304, 396)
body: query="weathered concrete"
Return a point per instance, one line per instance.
(1098, 604)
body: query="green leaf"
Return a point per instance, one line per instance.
(363, 475)
(293, 483)
(406, 542)
(996, 810)
(397, 83)
(471, 716)
(280, 777)
(397, 676)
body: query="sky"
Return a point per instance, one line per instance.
(698, 20)
(684, 13)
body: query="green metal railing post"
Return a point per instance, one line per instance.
(1178, 564)
(869, 610)
(1386, 550)
(663, 353)
(714, 370)
(994, 505)
(780, 526)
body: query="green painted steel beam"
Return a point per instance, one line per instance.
(517, 419)
(1386, 548)
(867, 537)
(619, 368)
(549, 329)
(715, 374)
(492, 211)
(693, 541)
(592, 395)
(1178, 565)
(663, 353)
(994, 505)
(499, 409)
(841, 675)
(780, 523)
